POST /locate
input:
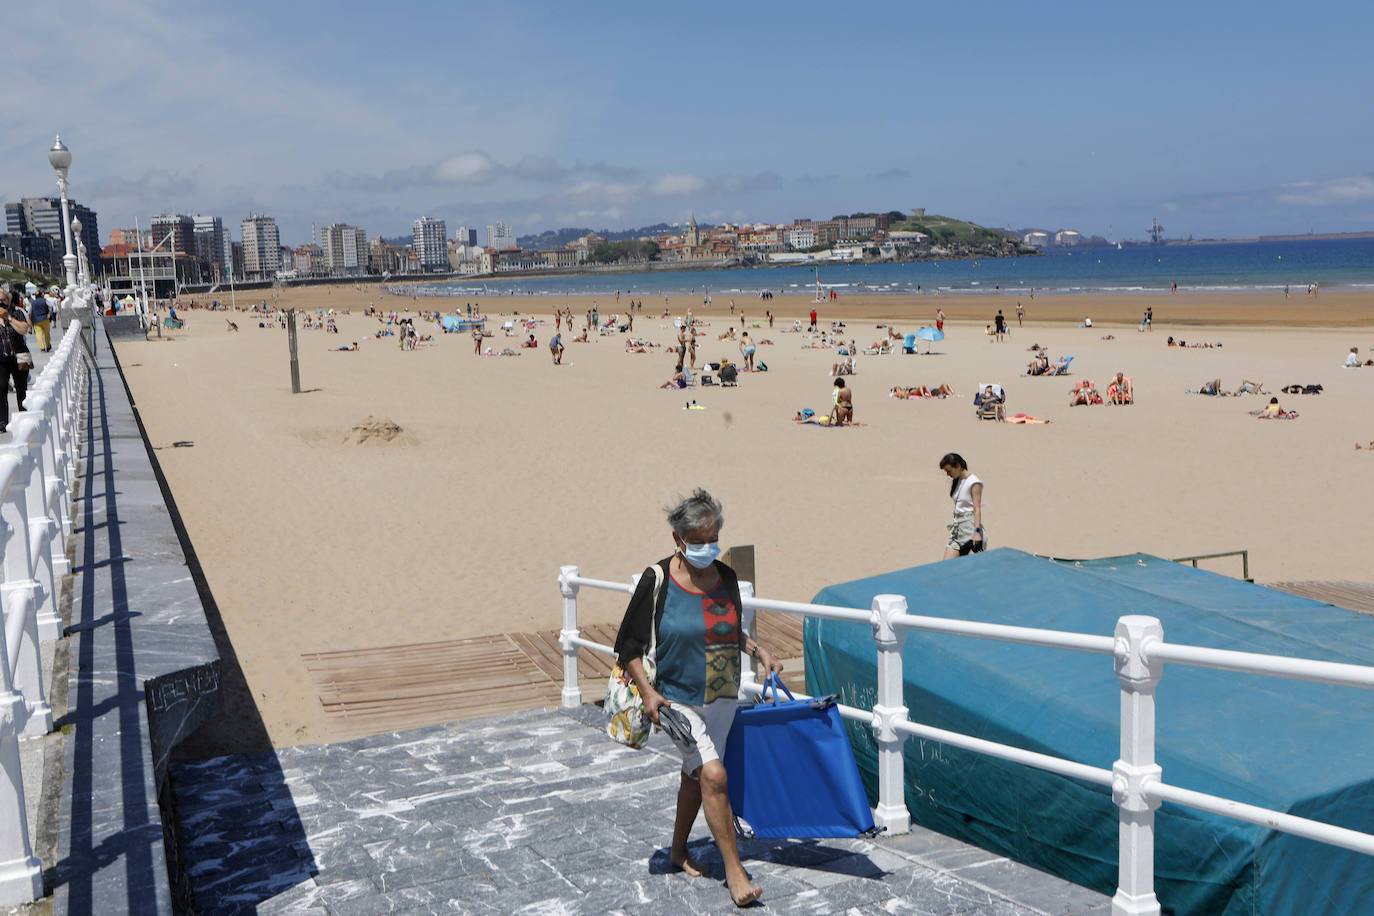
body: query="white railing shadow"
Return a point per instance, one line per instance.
(37, 470)
(1135, 779)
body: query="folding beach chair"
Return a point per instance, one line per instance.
(993, 409)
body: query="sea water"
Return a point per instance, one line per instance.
(1221, 267)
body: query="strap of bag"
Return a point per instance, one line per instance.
(776, 683)
(653, 614)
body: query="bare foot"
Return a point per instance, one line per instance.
(685, 864)
(747, 894)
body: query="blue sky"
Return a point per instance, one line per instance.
(1092, 117)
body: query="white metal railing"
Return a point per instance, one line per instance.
(37, 470)
(1135, 779)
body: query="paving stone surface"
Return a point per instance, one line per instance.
(537, 812)
(143, 667)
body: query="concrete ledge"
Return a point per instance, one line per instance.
(121, 326)
(144, 668)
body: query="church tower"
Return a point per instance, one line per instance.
(693, 238)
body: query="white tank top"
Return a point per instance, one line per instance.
(963, 495)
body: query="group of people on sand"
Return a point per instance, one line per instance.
(1183, 343)
(841, 410)
(1040, 364)
(1352, 360)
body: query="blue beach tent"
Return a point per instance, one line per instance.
(1294, 746)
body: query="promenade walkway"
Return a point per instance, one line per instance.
(144, 670)
(536, 812)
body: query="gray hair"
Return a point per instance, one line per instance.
(699, 510)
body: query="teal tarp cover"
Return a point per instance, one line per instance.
(1288, 745)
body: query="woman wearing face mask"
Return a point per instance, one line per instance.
(699, 641)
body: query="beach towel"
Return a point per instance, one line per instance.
(1026, 418)
(1281, 415)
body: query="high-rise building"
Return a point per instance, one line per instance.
(212, 242)
(427, 241)
(500, 235)
(261, 247)
(44, 214)
(467, 237)
(174, 232)
(344, 249)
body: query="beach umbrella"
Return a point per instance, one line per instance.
(929, 335)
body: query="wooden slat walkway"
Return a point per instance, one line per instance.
(1353, 596)
(367, 691)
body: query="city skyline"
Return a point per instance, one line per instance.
(1093, 118)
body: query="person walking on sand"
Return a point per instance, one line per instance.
(687, 614)
(813, 320)
(999, 325)
(746, 349)
(1020, 312)
(477, 341)
(556, 348)
(939, 319)
(966, 529)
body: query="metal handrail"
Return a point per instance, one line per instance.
(1139, 651)
(1243, 554)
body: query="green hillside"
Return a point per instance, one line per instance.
(946, 231)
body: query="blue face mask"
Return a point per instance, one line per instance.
(701, 555)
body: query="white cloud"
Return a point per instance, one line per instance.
(677, 183)
(597, 193)
(1354, 189)
(464, 168)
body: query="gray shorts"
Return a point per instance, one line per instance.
(710, 727)
(960, 531)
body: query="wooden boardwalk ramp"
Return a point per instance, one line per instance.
(1353, 596)
(368, 691)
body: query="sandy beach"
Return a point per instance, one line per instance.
(506, 468)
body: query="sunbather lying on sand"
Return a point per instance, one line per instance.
(1272, 411)
(921, 391)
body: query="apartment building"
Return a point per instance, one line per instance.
(428, 236)
(344, 248)
(500, 235)
(261, 247)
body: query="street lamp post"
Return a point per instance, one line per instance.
(61, 159)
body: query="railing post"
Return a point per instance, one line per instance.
(21, 874)
(27, 429)
(572, 688)
(890, 709)
(747, 621)
(56, 487)
(1133, 774)
(20, 596)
